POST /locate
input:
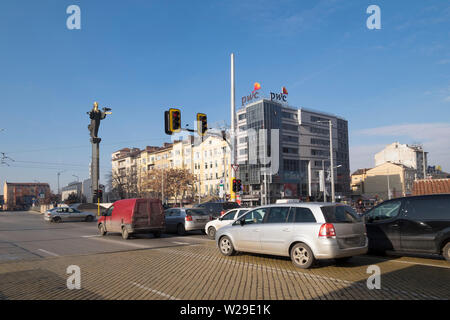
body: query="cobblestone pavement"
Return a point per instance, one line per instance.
(199, 271)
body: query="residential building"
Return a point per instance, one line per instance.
(75, 188)
(303, 150)
(357, 181)
(412, 156)
(389, 180)
(23, 195)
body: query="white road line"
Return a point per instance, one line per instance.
(154, 291)
(48, 252)
(408, 262)
(91, 236)
(122, 242)
(177, 242)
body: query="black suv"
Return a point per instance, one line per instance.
(417, 224)
(216, 209)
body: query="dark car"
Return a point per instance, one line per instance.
(216, 209)
(417, 224)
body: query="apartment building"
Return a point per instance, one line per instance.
(412, 156)
(23, 195)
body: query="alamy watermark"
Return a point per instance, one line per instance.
(374, 21)
(374, 281)
(74, 20)
(74, 280)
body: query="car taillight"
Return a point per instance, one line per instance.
(188, 218)
(327, 230)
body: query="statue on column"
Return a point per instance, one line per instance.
(96, 116)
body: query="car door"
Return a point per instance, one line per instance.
(169, 220)
(177, 217)
(108, 219)
(226, 219)
(424, 219)
(276, 231)
(75, 215)
(383, 227)
(247, 235)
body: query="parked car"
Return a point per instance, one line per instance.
(228, 217)
(216, 209)
(417, 224)
(180, 220)
(132, 216)
(305, 232)
(67, 214)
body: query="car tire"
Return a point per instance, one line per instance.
(446, 251)
(101, 229)
(226, 246)
(157, 234)
(125, 234)
(212, 233)
(302, 256)
(56, 220)
(181, 231)
(89, 219)
(342, 260)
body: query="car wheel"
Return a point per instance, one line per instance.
(181, 230)
(342, 260)
(89, 218)
(101, 229)
(125, 233)
(157, 234)
(212, 233)
(446, 251)
(56, 219)
(302, 256)
(226, 246)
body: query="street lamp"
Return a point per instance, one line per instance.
(331, 157)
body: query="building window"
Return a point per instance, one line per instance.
(320, 142)
(290, 150)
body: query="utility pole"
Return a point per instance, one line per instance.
(58, 174)
(333, 198)
(423, 161)
(324, 182)
(233, 124)
(96, 116)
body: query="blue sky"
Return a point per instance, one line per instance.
(142, 57)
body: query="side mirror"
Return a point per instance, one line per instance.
(242, 222)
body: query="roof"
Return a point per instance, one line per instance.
(44, 184)
(361, 171)
(431, 186)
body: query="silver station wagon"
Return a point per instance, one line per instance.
(305, 232)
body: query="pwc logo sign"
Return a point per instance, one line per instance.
(252, 96)
(279, 97)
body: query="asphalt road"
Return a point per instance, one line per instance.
(25, 236)
(35, 254)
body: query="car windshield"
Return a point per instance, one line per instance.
(340, 214)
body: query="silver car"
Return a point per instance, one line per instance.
(305, 232)
(67, 214)
(180, 220)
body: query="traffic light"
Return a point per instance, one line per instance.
(96, 193)
(166, 123)
(174, 120)
(234, 185)
(202, 124)
(238, 185)
(99, 193)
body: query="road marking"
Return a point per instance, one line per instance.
(91, 236)
(177, 242)
(154, 291)
(48, 252)
(122, 243)
(407, 262)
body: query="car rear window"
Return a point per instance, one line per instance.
(196, 212)
(340, 214)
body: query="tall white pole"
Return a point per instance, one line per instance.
(423, 160)
(333, 199)
(233, 113)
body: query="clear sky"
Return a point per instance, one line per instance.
(142, 57)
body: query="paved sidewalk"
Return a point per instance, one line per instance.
(197, 272)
